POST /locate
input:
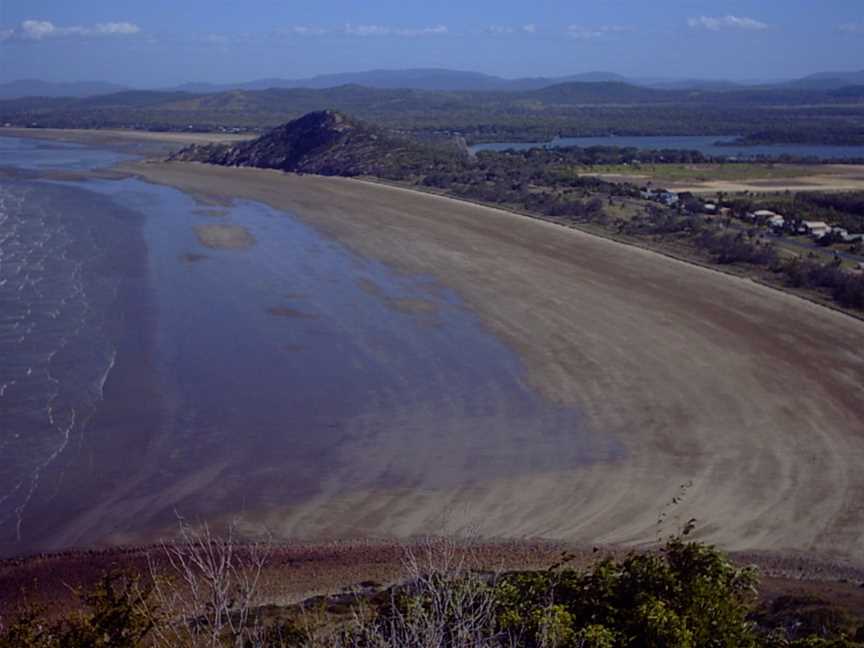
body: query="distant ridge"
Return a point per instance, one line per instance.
(36, 88)
(829, 80)
(432, 80)
(440, 79)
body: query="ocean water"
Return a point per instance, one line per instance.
(58, 284)
(19, 153)
(145, 375)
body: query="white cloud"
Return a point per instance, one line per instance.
(119, 28)
(37, 30)
(435, 30)
(852, 28)
(303, 30)
(581, 32)
(507, 29)
(719, 23)
(366, 30)
(384, 30)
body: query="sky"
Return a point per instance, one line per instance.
(151, 43)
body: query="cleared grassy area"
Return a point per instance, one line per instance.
(704, 172)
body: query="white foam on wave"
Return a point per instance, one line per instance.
(108, 369)
(26, 242)
(66, 433)
(44, 278)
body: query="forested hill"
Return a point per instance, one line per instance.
(328, 143)
(568, 109)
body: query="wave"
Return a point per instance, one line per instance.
(56, 353)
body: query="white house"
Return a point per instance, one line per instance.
(770, 218)
(846, 236)
(816, 229)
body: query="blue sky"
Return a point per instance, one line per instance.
(161, 42)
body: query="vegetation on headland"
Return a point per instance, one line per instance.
(205, 591)
(559, 185)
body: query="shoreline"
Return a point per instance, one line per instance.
(122, 384)
(117, 138)
(764, 435)
(746, 395)
(638, 244)
(96, 137)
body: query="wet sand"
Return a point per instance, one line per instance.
(112, 136)
(224, 237)
(742, 402)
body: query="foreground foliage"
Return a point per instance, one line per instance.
(688, 595)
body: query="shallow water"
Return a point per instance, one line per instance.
(709, 145)
(29, 154)
(144, 373)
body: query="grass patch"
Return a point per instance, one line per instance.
(703, 172)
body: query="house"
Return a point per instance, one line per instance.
(846, 236)
(810, 226)
(770, 218)
(670, 198)
(816, 229)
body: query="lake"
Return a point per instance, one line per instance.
(708, 145)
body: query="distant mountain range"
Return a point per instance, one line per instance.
(829, 80)
(36, 88)
(437, 79)
(432, 79)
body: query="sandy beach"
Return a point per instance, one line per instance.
(740, 402)
(736, 404)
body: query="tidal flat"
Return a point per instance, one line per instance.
(252, 380)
